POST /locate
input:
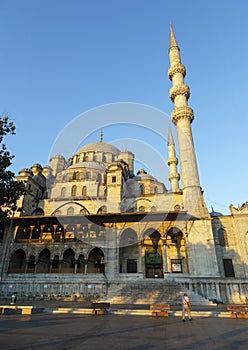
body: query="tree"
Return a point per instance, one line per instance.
(10, 189)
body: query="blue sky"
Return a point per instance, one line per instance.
(61, 58)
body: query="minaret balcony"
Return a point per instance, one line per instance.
(176, 68)
(179, 90)
(182, 113)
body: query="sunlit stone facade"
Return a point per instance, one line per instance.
(90, 221)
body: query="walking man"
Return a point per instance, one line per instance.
(186, 307)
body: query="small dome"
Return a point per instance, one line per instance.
(214, 214)
(99, 147)
(145, 176)
(25, 171)
(88, 165)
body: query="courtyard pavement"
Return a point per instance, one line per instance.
(48, 330)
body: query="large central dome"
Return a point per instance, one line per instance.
(99, 147)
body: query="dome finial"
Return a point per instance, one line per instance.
(101, 136)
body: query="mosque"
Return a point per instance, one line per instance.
(92, 228)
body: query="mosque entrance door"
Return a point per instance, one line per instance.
(154, 265)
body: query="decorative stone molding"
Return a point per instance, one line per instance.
(174, 176)
(243, 209)
(172, 160)
(179, 90)
(176, 68)
(182, 112)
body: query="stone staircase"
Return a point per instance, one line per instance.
(150, 291)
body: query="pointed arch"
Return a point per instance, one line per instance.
(96, 262)
(128, 251)
(63, 192)
(17, 262)
(70, 211)
(43, 264)
(74, 190)
(38, 212)
(36, 232)
(102, 209)
(68, 262)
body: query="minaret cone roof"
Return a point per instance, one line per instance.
(173, 41)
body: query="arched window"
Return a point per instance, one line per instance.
(155, 189)
(74, 190)
(71, 232)
(63, 191)
(48, 232)
(70, 211)
(23, 233)
(59, 233)
(84, 191)
(38, 212)
(36, 232)
(84, 211)
(142, 209)
(87, 175)
(102, 210)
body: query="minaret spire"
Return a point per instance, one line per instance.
(172, 162)
(173, 41)
(182, 116)
(101, 136)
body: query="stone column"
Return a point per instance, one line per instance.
(165, 263)
(140, 269)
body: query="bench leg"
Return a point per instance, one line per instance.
(26, 311)
(160, 313)
(98, 312)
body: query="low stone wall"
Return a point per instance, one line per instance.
(47, 286)
(228, 290)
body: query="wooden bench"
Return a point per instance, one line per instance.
(238, 311)
(160, 310)
(100, 308)
(25, 310)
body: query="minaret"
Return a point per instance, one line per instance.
(182, 116)
(172, 162)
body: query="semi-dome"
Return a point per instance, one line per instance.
(88, 165)
(99, 147)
